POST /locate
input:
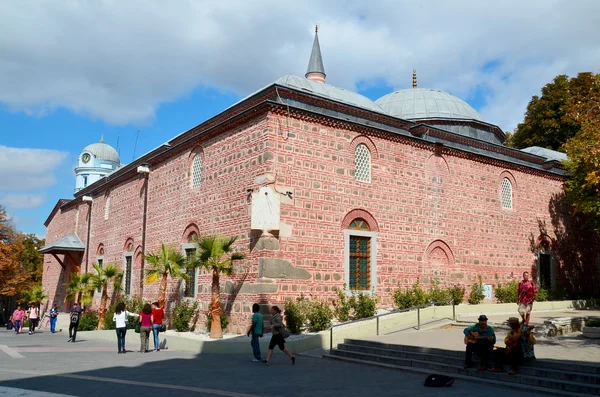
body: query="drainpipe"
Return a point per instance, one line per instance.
(144, 169)
(90, 201)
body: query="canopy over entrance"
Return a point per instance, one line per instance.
(70, 246)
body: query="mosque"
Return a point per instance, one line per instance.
(325, 189)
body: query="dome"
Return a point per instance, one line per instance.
(426, 103)
(102, 151)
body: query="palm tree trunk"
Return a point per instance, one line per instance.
(102, 309)
(162, 296)
(216, 332)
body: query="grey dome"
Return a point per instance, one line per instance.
(102, 151)
(426, 103)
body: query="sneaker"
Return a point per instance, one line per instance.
(265, 362)
(124, 351)
(293, 360)
(70, 340)
(512, 372)
(120, 352)
(255, 360)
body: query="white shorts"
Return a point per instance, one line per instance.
(525, 308)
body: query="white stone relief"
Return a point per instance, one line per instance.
(265, 209)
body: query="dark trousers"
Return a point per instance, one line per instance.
(483, 350)
(32, 324)
(255, 347)
(73, 331)
(514, 357)
(121, 332)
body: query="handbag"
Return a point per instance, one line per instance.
(285, 333)
(163, 328)
(137, 328)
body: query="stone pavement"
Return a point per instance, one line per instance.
(46, 363)
(572, 347)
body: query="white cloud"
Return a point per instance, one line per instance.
(26, 169)
(118, 61)
(22, 201)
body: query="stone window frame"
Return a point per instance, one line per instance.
(197, 153)
(128, 253)
(100, 261)
(365, 217)
(184, 248)
(370, 146)
(505, 175)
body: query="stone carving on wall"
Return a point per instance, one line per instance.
(265, 209)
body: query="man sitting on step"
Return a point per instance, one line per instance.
(480, 339)
(519, 347)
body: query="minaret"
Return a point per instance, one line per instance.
(315, 70)
(414, 78)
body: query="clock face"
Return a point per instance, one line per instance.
(85, 158)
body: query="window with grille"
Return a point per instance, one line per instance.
(362, 163)
(128, 260)
(507, 194)
(360, 263)
(190, 283)
(100, 262)
(197, 171)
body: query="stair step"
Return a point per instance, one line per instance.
(467, 378)
(531, 370)
(558, 384)
(539, 363)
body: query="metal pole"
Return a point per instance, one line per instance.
(330, 339)
(453, 312)
(377, 325)
(418, 318)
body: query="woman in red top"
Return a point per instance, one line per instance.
(158, 314)
(145, 327)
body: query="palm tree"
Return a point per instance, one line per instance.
(215, 253)
(35, 295)
(78, 285)
(167, 262)
(109, 274)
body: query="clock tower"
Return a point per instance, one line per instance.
(95, 162)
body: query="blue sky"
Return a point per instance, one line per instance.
(81, 70)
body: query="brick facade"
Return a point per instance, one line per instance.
(436, 211)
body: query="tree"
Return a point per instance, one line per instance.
(216, 254)
(30, 258)
(80, 288)
(101, 280)
(35, 295)
(555, 117)
(167, 262)
(13, 278)
(583, 186)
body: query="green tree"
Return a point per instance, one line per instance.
(35, 295)
(167, 262)
(100, 281)
(80, 288)
(13, 277)
(556, 116)
(30, 258)
(215, 253)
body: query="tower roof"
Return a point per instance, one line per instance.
(102, 151)
(315, 64)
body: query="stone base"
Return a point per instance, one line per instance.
(591, 332)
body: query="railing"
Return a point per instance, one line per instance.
(376, 317)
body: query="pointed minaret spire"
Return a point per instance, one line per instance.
(315, 70)
(414, 78)
(102, 138)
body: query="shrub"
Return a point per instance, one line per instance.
(507, 293)
(457, 293)
(410, 297)
(542, 295)
(182, 314)
(295, 314)
(133, 304)
(319, 316)
(476, 296)
(364, 305)
(437, 294)
(342, 307)
(224, 320)
(592, 323)
(88, 321)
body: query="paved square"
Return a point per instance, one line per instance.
(46, 363)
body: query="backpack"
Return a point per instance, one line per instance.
(439, 381)
(75, 317)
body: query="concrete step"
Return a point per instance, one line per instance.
(558, 365)
(531, 370)
(465, 378)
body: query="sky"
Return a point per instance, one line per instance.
(140, 72)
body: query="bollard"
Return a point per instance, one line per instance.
(453, 312)
(377, 325)
(418, 318)
(330, 339)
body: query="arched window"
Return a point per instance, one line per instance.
(197, 171)
(362, 163)
(359, 257)
(190, 285)
(359, 224)
(506, 193)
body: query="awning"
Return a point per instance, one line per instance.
(70, 246)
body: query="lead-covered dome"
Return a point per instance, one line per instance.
(102, 151)
(426, 103)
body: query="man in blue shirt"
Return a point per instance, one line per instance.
(479, 338)
(257, 332)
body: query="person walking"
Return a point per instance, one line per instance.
(120, 318)
(34, 315)
(53, 317)
(75, 316)
(145, 327)
(278, 338)
(526, 294)
(158, 314)
(18, 317)
(256, 330)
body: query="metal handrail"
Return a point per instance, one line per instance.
(377, 316)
